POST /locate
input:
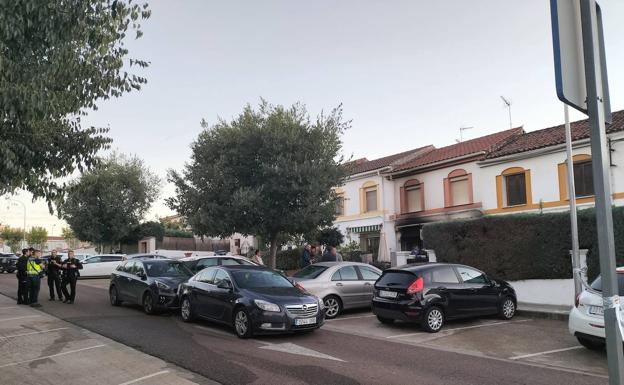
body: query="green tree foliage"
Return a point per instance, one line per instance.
(105, 204)
(268, 172)
(70, 237)
(329, 236)
(37, 237)
(57, 60)
(12, 236)
(144, 229)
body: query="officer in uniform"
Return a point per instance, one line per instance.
(54, 275)
(35, 272)
(70, 276)
(22, 278)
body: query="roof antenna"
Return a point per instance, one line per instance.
(461, 133)
(508, 105)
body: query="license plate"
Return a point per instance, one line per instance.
(596, 310)
(305, 321)
(388, 294)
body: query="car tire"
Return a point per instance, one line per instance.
(507, 308)
(242, 323)
(333, 306)
(186, 310)
(114, 296)
(590, 343)
(433, 319)
(148, 304)
(385, 321)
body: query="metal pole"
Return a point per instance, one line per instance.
(602, 189)
(576, 257)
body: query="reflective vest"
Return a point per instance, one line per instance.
(33, 268)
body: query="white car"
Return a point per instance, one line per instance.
(586, 321)
(101, 265)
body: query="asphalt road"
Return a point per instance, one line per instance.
(321, 357)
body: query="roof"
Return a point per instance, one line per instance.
(363, 165)
(475, 146)
(553, 136)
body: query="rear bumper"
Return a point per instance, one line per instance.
(409, 311)
(579, 322)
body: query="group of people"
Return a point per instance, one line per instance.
(60, 274)
(311, 254)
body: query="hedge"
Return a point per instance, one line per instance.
(288, 259)
(521, 246)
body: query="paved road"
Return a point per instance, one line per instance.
(322, 357)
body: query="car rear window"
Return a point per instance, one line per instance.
(397, 278)
(597, 284)
(310, 272)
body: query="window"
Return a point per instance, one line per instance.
(369, 243)
(471, 275)
(413, 195)
(583, 179)
(97, 259)
(444, 275)
(220, 276)
(340, 205)
(460, 190)
(230, 261)
(515, 188)
(346, 273)
(138, 268)
(111, 258)
(206, 262)
(371, 199)
(368, 274)
(206, 276)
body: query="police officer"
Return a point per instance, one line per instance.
(35, 272)
(70, 276)
(22, 278)
(54, 275)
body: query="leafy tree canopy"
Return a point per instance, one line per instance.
(144, 229)
(57, 60)
(329, 236)
(268, 172)
(37, 236)
(12, 236)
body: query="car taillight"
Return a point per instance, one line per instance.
(577, 301)
(416, 287)
(301, 288)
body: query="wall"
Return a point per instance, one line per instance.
(558, 292)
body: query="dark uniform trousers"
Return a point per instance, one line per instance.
(54, 281)
(23, 289)
(69, 279)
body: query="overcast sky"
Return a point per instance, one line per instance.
(409, 73)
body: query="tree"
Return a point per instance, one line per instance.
(13, 237)
(144, 229)
(329, 236)
(37, 237)
(104, 204)
(268, 172)
(57, 60)
(70, 237)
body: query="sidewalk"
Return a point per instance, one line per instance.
(555, 312)
(40, 349)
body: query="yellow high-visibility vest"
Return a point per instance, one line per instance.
(33, 268)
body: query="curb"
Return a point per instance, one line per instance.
(559, 316)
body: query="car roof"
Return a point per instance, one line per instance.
(200, 257)
(341, 263)
(108, 255)
(412, 267)
(242, 267)
(153, 260)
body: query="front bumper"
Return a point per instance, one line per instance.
(407, 310)
(164, 300)
(264, 322)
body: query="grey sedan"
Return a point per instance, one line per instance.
(341, 285)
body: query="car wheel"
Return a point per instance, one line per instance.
(433, 319)
(186, 311)
(590, 344)
(333, 306)
(148, 303)
(507, 308)
(114, 296)
(242, 323)
(384, 320)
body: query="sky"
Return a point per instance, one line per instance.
(408, 74)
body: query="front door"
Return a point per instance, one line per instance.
(481, 297)
(137, 284)
(348, 286)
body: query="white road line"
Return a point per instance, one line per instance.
(464, 328)
(144, 378)
(8, 307)
(14, 318)
(546, 352)
(52, 356)
(346, 318)
(31, 333)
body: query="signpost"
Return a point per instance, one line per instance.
(581, 80)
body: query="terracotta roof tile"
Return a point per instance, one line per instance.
(363, 165)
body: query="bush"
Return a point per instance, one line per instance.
(521, 246)
(288, 259)
(178, 233)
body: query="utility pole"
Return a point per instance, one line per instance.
(508, 105)
(576, 257)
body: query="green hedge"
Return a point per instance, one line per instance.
(288, 259)
(521, 246)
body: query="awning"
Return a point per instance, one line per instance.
(364, 229)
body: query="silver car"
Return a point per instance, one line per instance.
(341, 285)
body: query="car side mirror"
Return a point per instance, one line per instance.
(225, 285)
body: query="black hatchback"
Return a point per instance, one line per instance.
(151, 283)
(252, 299)
(432, 293)
(8, 263)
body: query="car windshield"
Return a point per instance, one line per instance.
(257, 279)
(597, 284)
(166, 269)
(310, 271)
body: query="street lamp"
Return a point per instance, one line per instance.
(15, 201)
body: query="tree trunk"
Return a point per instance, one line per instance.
(273, 251)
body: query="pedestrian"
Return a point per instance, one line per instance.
(331, 255)
(70, 276)
(22, 278)
(257, 258)
(313, 255)
(305, 257)
(35, 273)
(54, 275)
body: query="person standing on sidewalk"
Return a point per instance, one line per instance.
(70, 276)
(54, 275)
(305, 257)
(35, 272)
(22, 278)
(257, 258)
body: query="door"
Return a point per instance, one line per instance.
(122, 280)
(481, 295)
(109, 263)
(137, 285)
(368, 275)
(219, 299)
(348, 286)
(200, 291)
(443, 281)
(91, 267)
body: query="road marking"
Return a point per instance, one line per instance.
(31, 333)
(346, 318)
(144, 378)
(546, 352)
(52, 356)
(463, 328)
(14, 318)
(8, 307)
(291, 348)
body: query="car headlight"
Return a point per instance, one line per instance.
(162, 286)
(321, 304)
(266, 306)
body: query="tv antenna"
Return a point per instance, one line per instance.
(461, 133)
(508, 105)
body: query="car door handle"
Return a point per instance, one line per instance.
(367, 284)
(339, 284)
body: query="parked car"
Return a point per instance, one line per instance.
(252, 299)
(151, 283)
(196, 264)
(146, 256)
(80, 257)
(7, 262)
(341, 285)
(101, 265)
(433, 293)
(586, 320)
